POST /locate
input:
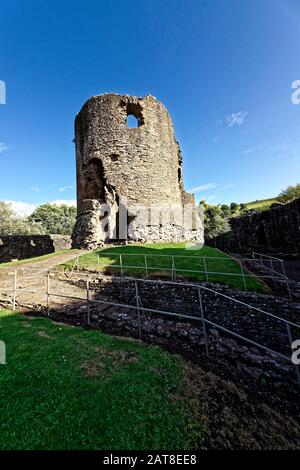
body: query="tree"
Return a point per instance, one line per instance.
(234, 207)
(243, 207)
(289, 193)
(226, 210)
(54, 218)
(11, 224)
(215, 223)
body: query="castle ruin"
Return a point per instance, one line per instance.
(123, 172)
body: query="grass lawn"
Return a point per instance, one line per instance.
(68, 388)
(37, 258)
(133, 256)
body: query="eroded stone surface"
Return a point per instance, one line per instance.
(128, 167)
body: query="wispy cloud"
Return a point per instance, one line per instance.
(63, 189)
(203, 187)
(236, 119)
(3, 147)
(35, 189)
(226, 186)
(67, 202)
(210, 186)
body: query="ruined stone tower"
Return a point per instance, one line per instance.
(120, 168)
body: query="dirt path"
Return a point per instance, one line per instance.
(32, 282)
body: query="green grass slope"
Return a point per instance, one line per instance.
(69, 388)
(159, 261)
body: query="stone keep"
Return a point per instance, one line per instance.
(121, 166)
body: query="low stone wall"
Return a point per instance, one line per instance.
(187, 335)
(276, 230)
(28, 246)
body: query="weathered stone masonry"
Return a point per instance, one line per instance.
(142, 165)
(276, 230)
(28, 246)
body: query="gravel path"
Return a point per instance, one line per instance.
(32, 282)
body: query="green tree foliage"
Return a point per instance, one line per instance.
(215, 221)
(11, 224)
(226, 210)
(290, 193)
(234, 207)
(54, 218)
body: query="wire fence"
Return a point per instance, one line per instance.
(202, 312)
(198, 267)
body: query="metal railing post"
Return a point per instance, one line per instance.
(14, 290)
(88, 299)
(203, 320)
(146, 266)
(205, 269)
(138, 307)
(287, 280)
(121, 265)
(173, 269)
(243, 275)
(48, 293)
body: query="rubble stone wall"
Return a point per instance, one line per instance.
(28, 246)
(276, 230)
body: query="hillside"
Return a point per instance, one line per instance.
(260, 204)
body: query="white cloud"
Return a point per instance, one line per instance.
(236, 119)
(35, 189)
(67, 202)
(226, 186)
(65, 188)
(3, 147)
(22, 208)
(203, 187)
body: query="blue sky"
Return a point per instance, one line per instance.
(223, 69)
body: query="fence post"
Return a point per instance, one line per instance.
(146, 266)
(243, 274)
(88, 299)
(291, 341)
(287, 280)
(138, 307)
(205, 268)
(48, 293)
(173, 269)
(15, 290)
(203, 320)
(98, 260)
(121, 265)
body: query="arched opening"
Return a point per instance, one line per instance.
(261, 236)
(134, 115)
(132, 122)
(93, 187)
(114, 157)
(179, 174)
